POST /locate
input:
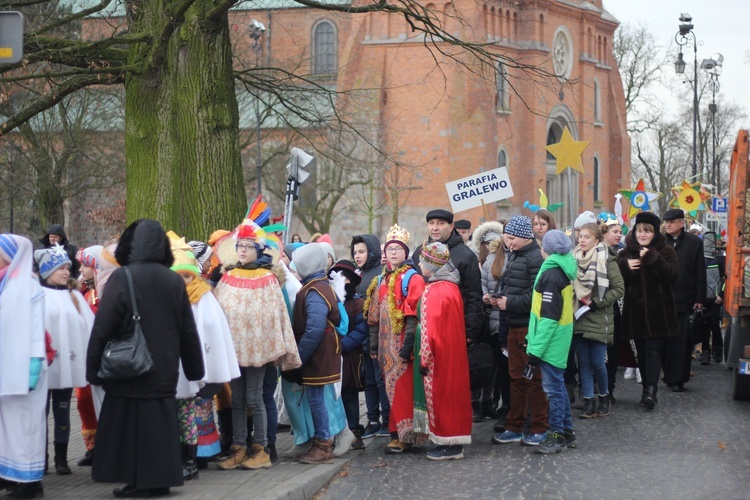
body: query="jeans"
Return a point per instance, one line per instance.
(591, 365)
(376, 398)
(553, 383)
(319, 411)
(61, 413)
(247, 392)
(272, 414)
(350, 399)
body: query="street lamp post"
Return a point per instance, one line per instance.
(683, 40)
(256, 34)
(713, 67)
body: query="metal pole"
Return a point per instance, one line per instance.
(258, 163)
(10, 164)
(695, 105)
(714, 176)
(570, 197)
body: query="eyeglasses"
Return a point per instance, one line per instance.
(240, 246)
(394, 249)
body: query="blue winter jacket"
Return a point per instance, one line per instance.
(316, 317)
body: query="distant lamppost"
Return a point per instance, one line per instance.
(256, 30)
(713, 67)
(682, 39)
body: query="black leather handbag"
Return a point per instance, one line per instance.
(127, 358)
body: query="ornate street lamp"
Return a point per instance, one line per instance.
(683, 39)
(713, 67)
(256, 30)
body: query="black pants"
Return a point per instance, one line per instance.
(711, 339)
(679, 353)
(650, 354)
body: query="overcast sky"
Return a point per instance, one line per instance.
(722, 26)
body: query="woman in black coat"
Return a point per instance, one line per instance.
(649, 268)
(137, 439)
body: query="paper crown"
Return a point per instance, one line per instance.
(51, 259)
(184, 259)
(398, 234)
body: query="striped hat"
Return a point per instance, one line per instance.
(90, 256)
(434, 255)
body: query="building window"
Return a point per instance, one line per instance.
(324, 48)
(597, 179)
(597, 102)
(562, 53)
(501, 86)
(502, 158)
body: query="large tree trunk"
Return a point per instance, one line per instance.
(181, 126)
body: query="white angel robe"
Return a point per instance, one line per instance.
(70, 329)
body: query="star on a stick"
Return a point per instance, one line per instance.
(568, 152)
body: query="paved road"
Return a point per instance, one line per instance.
(694, 445)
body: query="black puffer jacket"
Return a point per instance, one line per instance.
(166, 316)
(372, 267)
(523, 266)
(690, 287)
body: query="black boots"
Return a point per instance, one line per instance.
(61, 459)
(602, 407)
(476, 414)
(358, 444)
(272, 453)
(488, 409)
(27, 490)
(87, 460)
(226, 428)
(502, 416)
(189, 461)
(588, 408)
(648, 398)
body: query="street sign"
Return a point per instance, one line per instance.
(485, 187)
(716, 217)
(720, 205)
(11, 37)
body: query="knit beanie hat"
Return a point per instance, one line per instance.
(201, 251)
(89, 257)
(434, 256)
(397, 234)
(51, 259)
(519, 226)
(309, 260)
(586, 217)
(556, 242)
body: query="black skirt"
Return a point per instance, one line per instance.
(137, 443)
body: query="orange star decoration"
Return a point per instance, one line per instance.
(568, 152)
(692, 198)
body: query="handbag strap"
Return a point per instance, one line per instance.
(136, 316)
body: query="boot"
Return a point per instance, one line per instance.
(648, 399)
(476, 414)
(343, 442)
(189, 462)
(487, 410)
(298, 449)
(87, 459)
(257, 458)
(571, 388)
(320, 453)
(358, 444)
(61, 459)
(272, 453)
(602, 408)
(225, 428)
(588, 408)
(235, 458)
(27, 490)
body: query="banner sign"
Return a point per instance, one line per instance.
(469, 192)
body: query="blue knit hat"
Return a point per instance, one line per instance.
(519, 226)
(555, 241)
(50, 260)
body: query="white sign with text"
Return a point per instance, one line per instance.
(469, 192)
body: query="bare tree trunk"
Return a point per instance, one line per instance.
(181, 126)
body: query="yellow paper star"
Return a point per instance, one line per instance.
(568, 152)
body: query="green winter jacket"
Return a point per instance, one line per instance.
(551, 321)
(599, 325)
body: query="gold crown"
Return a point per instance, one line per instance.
(398, 233)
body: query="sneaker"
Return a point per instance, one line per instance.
(371, 430)
(383, 432)
(396, 447)
(235, 457)
(444, 452)
(507, 437)
(533, 439)
(570, 438)
(257, 458)
(629, 373)
(554, 443)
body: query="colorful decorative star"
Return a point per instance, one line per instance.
(692, 198)
(543, 203)
(640, 199)
(568, 152)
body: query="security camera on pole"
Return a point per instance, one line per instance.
(299, 163)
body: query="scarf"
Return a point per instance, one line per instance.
(196, 289)
(592, 270)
